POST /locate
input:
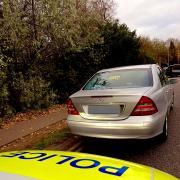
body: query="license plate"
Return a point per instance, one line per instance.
(104, 109)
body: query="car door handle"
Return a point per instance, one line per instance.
(167, 91)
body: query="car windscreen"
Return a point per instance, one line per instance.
(127, 78)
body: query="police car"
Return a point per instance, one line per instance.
(59, 165)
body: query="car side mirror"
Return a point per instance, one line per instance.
(172, 81)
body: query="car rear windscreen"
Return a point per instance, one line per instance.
(128, 78)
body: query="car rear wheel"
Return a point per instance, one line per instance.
(172, 104)
(163, 136)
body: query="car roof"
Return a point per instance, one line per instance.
(128, 67)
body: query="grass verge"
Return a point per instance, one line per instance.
(50, 139)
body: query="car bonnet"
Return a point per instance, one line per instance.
(54, 165)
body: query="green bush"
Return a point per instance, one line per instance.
(32, 93)
(5, 107)
(36, 93)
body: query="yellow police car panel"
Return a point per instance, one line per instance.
(59, 165)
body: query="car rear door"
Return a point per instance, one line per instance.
(166, 88)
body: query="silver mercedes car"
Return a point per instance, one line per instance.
(131, 102)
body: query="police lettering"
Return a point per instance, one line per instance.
(73, 162)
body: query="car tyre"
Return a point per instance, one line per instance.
(163, 136)
(172, 105)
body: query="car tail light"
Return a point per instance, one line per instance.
(144, 107)
(71, 108)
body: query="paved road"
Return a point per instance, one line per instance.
(164, 156)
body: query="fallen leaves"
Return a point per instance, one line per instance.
(33, 114)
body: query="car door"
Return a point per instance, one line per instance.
(167, 89)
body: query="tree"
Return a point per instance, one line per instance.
(44, 28)
(173, 59)
(147, 54)
(120, 45)
(36, 37)
(155, 49)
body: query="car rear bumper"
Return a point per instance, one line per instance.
(132, 128)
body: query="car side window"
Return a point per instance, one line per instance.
(162, 77)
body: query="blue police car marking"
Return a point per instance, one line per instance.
(95, 163)
(65, 160)
(48, 157)
(37, 155)
(41, 157)
(119, 171)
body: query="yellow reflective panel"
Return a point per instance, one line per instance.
(161, 175)
(54, 165)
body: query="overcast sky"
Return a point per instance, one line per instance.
(154, 18)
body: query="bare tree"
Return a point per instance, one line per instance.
(104, 8)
